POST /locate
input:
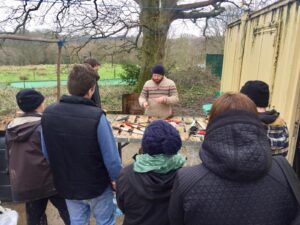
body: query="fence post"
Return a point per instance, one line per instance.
(60, 44)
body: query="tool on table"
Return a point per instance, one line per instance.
(134, 131)
(135, 125)
(173, 121)
(124, 118)
(196, 129)
(201, 132)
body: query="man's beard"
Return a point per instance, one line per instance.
(157, 81)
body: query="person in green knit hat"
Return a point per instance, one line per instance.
(144, 187)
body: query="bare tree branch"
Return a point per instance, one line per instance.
(27, 14)
(196, 5)
(205, 28)
(194, 15)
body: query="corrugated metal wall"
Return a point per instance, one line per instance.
(265, 45)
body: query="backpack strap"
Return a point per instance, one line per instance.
(290, 176)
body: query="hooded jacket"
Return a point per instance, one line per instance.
(29, 171)
(144, 197)
(277, 132)
(237, 184)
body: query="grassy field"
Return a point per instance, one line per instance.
(195, 89)
(48, 72)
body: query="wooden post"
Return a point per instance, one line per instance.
(24, 38)
(60, 44)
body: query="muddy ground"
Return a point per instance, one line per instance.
(53, 217)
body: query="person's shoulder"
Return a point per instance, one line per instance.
(125, 172)
(127, 169)
(24, 120)
(187, 174)
(50, 107)
(184, 171)
(279, 122)
(275, 170)
(187, 177)
(169, 81)
(149, 83)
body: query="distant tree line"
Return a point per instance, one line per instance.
(184, 52)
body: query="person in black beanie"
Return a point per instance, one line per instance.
(144, 188)
(29, 100)
(158, 94)
(258, 92)
(30, 174)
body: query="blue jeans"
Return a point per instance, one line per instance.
(102, 208)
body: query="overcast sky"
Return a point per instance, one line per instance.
(178, 28)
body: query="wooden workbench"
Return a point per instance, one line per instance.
(130, 128)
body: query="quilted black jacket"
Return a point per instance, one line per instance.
(237, 184)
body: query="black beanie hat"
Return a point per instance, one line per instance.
(161, 137)
(257, 91)
(158, 69)
(29, 100)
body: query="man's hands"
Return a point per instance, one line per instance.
(113, 185)
(160, 100)
(146, 105)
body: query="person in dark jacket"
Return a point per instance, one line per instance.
(95, 65)
(238, 182)
(79, 144)
(296, 163)
(277, 131)
(30, 174)
(144, 188)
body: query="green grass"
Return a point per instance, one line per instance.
(195, 89)
(111, 98)
(48, 72)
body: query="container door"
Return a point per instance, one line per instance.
(260, 56)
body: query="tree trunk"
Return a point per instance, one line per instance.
(155, 21)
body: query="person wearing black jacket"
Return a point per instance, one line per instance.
(238, 182)
(95, 65)
(144, 188)
(277, 130)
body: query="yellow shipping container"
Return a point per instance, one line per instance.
(265, 45)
